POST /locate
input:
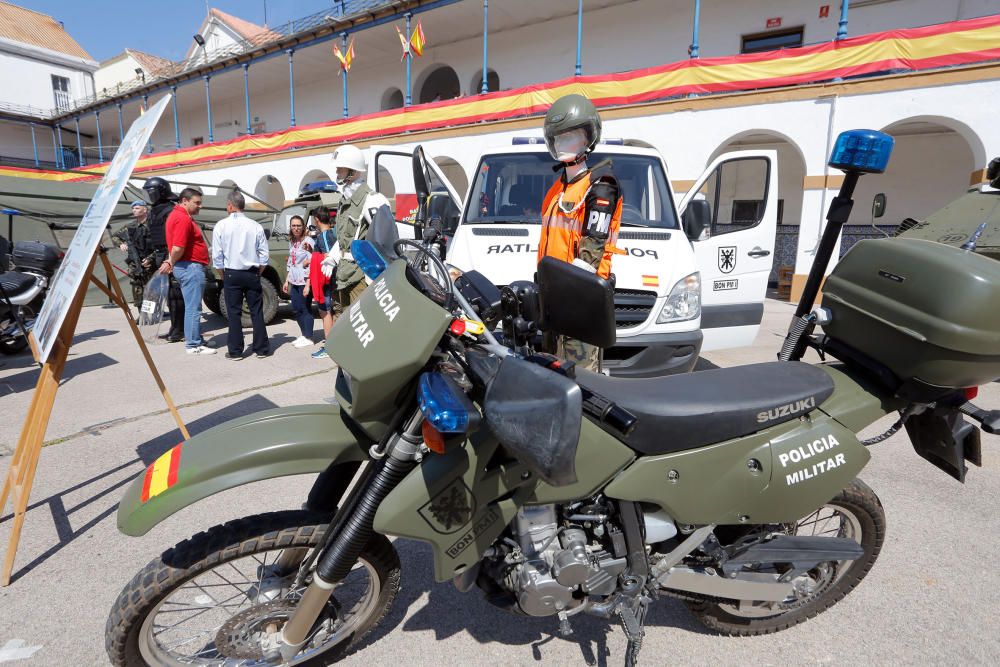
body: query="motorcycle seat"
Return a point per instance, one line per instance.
(15, 283)
(680, 412)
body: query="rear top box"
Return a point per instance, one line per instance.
(928, 312)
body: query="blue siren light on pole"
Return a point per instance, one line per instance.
(864, 151)
(368, 259)
(444, 404)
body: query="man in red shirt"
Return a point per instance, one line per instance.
(187, 259)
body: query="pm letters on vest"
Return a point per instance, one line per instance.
(599, 223)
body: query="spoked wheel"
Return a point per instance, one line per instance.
(217, 598)
(855, 513)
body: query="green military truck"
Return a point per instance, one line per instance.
(972, 221)
(275, 224)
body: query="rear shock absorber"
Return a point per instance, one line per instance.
(336, 562)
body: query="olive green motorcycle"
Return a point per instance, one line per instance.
(557, 491)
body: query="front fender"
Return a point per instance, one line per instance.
(273, 443)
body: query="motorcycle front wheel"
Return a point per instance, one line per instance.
(855, 513)
(211, 599)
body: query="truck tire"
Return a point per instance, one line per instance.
(212, 297)
(271, 301)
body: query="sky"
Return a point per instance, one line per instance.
(105, 28)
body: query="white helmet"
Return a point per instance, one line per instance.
(350, 157)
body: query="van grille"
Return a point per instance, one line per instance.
(632, 307)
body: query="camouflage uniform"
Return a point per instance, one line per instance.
(140, 257)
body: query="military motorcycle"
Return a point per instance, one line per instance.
(23, 290)
(556, 491)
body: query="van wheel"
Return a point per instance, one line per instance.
(270, 304)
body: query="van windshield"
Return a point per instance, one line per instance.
(509, 188)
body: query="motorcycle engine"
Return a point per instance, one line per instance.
(552, 565)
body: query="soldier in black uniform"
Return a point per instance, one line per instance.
(133, 239)
(164, 200)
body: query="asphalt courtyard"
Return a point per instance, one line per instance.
(931, 598)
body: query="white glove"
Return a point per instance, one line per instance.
(331, 260)
(584, 265)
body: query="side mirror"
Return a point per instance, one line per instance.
(697, 217)
(421, 187)
(576, 303)
(878, 205)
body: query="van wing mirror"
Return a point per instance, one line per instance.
(576, 303)
(697, 217)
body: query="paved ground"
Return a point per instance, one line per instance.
(931, 599)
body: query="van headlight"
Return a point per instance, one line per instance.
(683, 302)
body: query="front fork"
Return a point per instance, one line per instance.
(340, 554)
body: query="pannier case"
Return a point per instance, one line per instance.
(927, 311)
(36, 256)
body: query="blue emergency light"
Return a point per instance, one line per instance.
(368, 259)
(865, 151)
(445, 405)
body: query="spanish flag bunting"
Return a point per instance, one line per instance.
(417, 40)
(345, 60)
(161, 474)
(403, 42)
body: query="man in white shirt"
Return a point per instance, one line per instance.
(239, 255)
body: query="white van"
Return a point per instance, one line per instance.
(695, 273)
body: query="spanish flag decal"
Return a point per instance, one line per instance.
(162, 474)
(651, 281)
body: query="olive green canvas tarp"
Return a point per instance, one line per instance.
(50, 211)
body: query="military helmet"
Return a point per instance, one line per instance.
(571, 112)
(158, 189)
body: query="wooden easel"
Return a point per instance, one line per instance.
(21, 474)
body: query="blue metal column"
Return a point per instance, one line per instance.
(579, 37)
(842, 24)
(55, 148)
(121, 124)
(694, 30)
(60, 158)
(409, 57)
(34, 144)
(343, 40)
(208, 105)
(79, 147)
(246, 94)
(291, 86)
(486, 13)
(100, 147)
(145, 108)
(177, 127)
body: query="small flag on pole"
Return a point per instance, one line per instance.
(345, 59)
(403, 43)
(417, 40)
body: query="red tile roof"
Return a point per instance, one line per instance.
(245, 29)
(36, 29)
(152, 64)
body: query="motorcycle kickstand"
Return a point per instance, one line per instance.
(633, 619)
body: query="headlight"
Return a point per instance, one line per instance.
(683, 302)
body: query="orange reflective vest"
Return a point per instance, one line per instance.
(564, 216)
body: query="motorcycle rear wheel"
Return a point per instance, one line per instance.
(231, 561)
(26, 313)
(861, 517)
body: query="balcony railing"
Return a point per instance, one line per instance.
(339, 12)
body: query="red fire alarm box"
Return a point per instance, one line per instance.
(774, 23)
(824, 11)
